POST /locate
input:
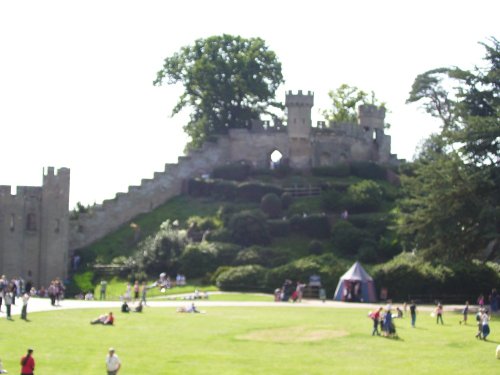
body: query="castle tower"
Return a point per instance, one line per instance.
(370, 116)
(54, 234)
(299, 127)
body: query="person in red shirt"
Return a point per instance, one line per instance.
(28, 363)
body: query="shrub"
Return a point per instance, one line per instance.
(219, 235)
(82, 282)
(315, 247)
(286, 200)
(365, 196)
(332, 200)
(160, 252)
(266, 257)
(367, 253)
(249, 228)
(270, 204)
(226, 253)
(409, 275)
(217, 189)
(235, 171)
(316, 225)
(198, 259)
(254, 191)
(339, 170)
(243, 278)
(279, 228)
(368, 169)
(203, 223)
(347, 238)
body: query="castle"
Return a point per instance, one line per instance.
(37, 236)
(34, 229)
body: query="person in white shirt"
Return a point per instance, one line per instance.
(113, 363)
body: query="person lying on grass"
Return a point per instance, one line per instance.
(104, 319)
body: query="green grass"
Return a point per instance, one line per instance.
(246, 340)
(117, 287)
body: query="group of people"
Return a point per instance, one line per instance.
(385, 319)
(9, 291)
(289, 291)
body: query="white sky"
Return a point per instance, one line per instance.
(76, 76)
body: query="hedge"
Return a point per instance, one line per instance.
(243, 278)
(408, 275)
(316, 225)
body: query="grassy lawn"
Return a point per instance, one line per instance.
(248, 340)
(117, 288)
(232, 297)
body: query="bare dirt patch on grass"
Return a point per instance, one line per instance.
(293, 334)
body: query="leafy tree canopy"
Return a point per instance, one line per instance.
(452, 205)
(228, 80)
(345, 102)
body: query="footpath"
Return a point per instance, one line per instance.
(43, 304)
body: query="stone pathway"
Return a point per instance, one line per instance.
(43, 304)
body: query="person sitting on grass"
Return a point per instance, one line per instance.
(138, 308)
(104, 319)
(125, 308)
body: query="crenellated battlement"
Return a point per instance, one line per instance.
(371, 116)
(299, 99)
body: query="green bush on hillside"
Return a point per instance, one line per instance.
(364, 196)
(263, 256)
(332, 200)
(346, 238)
(243, 278)
(159, 253)
(254, 191)
(339, 170)
(408, 275)
(271, 205)
(369, 170)
(279, 227)
(198, 259)
(286, 200)
(249, 228)
(316, 225)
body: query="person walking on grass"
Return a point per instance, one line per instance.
(8, 298)
(465, 313)
(113, 363)
(375, 316)
(439, 314)
(485, 322)
(413, 313)
(24, 311)
(28, 363)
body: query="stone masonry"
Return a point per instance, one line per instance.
(43, 253)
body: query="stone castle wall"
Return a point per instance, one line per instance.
(113, 213)
(42, 254)
(34, 229)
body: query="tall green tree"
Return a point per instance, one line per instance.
(228, 81)
(345, 102)
(452, 204)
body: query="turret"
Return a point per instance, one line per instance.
(299, 114)
(299, 128)
(371, 116)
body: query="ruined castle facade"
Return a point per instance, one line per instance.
(44, 253)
